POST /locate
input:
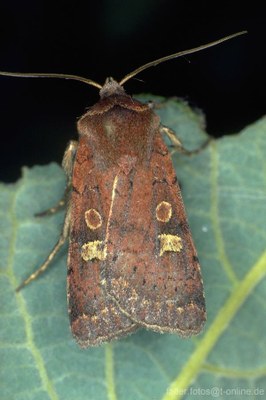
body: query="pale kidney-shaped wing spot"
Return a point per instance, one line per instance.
(164, 211)
(170, 243)
(93, 219)
(91, 250)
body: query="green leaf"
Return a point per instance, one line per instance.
(224, 190)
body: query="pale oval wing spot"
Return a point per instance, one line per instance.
(164, 211)
(93, 219)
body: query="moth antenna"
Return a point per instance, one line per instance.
(51, 75)
(128, 76)
(179, 54)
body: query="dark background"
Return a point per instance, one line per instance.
(111, 38)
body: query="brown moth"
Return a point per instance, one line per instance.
(131, 261)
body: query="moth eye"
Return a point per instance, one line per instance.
(164, 211)
(93, 219)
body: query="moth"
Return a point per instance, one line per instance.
(131, 259)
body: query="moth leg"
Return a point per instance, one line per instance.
(68, 160)
(178, 145)
(67, 164)
(55, 250)
(58, 207)
(157, 105)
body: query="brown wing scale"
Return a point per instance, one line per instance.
(155, 278)
(132, 261)
(94, 317)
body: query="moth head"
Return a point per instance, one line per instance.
(110, 88)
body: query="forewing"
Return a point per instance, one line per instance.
(151, 270)
(94, 317)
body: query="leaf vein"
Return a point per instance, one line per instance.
(37, 356)
(191, 369)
